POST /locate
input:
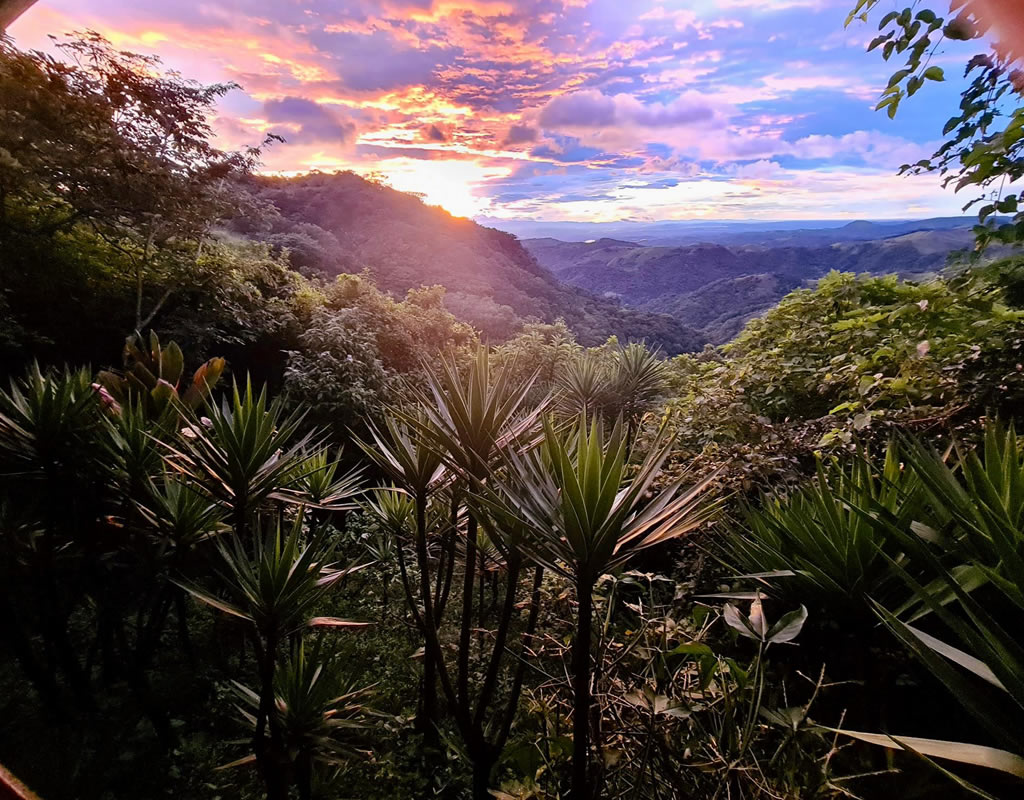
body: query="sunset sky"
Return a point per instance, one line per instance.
(595, 110)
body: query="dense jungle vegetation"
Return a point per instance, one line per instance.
(267, 530)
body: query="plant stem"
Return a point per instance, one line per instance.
(581, 690)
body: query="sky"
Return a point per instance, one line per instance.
(557, 110)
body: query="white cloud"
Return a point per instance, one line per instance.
(878, 148)
(758, 170)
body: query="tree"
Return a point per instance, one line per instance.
(108, 141)
(461, 423)
(580, 516)
(984, 145)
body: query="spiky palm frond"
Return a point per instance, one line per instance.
(977, 653)
(48, 421)
(816, 545)
(980, 497)
(470, 419)
(182, 514)
(135, 453)
(580, 508)
(638, 379)
(276, 583)
(321, 717)
(245, 453)
(394, 508)
(316, 478)
(584, 386)
(402, 452)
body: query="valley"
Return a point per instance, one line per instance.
(717, 285)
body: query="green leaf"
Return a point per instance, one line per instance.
(788, 627)
(879, 40)
(897, 76)
(968, 662)
(691, 649)
(974, 754)
(934, 74)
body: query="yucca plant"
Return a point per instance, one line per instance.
(50, 462)
(978, 653)
(171, 519)
(180, 514)
(460, 423)
(395, 511)
(273, 585)
(471, 417)
(638, 379)
(392, 507)
(624, 381)
(978, 500)
(321, 719)
(584, 386)
(48, 424)
(244, 454)
(814, 546)
(133, 449)
(402, 451)
(320, 483)
(582, 511)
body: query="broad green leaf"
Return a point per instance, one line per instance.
(968, 662)
(975, 754)
(788, 627)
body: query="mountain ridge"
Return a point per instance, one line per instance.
(681, 232)
(334, 223)
(717, 287)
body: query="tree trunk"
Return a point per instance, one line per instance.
(581, 691)
(10, 10)
(501, 636)
(483, 764)
(427, 723)
(266, 748)
(467, 612)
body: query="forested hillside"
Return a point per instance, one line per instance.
(716, 288)
(337, 223)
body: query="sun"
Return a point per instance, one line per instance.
(454, 185)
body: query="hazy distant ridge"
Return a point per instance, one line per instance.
(798, 232)
(717, 285)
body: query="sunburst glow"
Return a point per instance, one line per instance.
(456, 186)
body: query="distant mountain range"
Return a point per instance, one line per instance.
(341, 223)
(803, 233)
(716, 287)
